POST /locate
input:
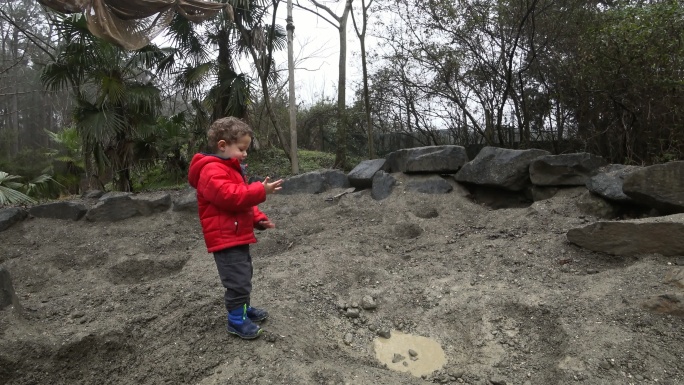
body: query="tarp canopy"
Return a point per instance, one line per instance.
(132, 24)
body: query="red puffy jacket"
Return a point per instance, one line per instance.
(227, 204)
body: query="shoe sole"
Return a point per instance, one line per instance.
(245, 336)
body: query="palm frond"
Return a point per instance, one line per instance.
(146, 57)
(6, 178)
(11, 196)
(9, 193)
(112, 89)
(144, 99)
(100, 125)
(56, 76)
(184, 36)
(279, 38)
(192, 77)
(239, 95)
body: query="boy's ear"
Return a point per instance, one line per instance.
(221, 143)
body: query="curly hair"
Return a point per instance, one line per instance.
(229, 129)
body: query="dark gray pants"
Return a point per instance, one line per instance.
(235, 270)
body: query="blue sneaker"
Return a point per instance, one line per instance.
(256, 314)
(241, 325)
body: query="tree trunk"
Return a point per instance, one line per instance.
(364, 67)
(294, 159)
(341, 153)
(14, 101)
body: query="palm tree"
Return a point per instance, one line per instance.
(204, 56)
(117, 98)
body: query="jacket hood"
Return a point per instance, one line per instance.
(200, 160)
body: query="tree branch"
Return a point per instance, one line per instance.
(29, 35)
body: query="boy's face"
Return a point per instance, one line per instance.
(237, 150)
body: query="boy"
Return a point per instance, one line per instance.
(228, 213)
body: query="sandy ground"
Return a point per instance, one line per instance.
(469, 294)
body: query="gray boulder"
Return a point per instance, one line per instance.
(361, 176)
(335, 179)
(660, 186)
(595, 206)
(430, 159)
(113, 207)
(428, 184)
(315, 182)
(662, 235)
(607, 183)
(153, 204)
(59, 210)
(565, 169)
(308, 183)
(500, 167)
(10, 216)
(116, 206)
(383, 184)
(8, 297)
(186, 201)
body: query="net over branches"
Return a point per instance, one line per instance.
(132, 24)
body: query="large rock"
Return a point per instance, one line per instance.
(592, 204)
(383, 184)
(361, 176)
(607, 183)
(186, 201)
(500, 167)
(661, 235)
(334, 179)
(660, 186)
(59, 210)
(428, 184)
(446, 159)
(565, 169)
(10, 216)
(113, 207)
(308, 183)
(153, 204)
(315, 182)
(117, 206)
(7, 295)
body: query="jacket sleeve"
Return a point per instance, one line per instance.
(258, 217)
(228, 191)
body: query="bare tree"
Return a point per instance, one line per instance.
(339, 22)
(294, 159)
(361, 33)
(25, 109)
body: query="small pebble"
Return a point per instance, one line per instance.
(348, 338)
(353, 312)
(368, 303)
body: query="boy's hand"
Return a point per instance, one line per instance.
(266, 224)
(272, 187)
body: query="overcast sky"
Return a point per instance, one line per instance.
(316, 51)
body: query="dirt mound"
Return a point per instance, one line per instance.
(504, 294)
